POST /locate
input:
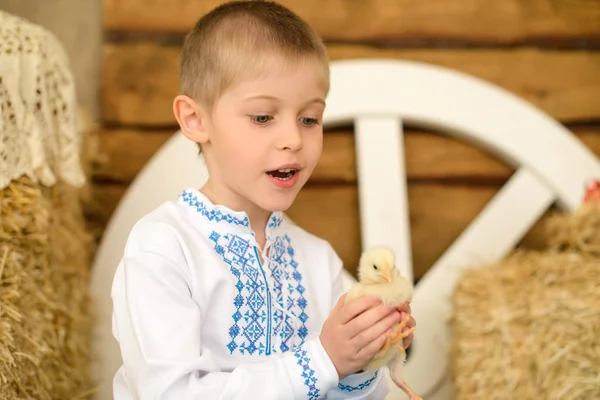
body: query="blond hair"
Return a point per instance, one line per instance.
(238, 40)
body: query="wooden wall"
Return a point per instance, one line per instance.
(545, 52)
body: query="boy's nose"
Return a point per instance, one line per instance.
(290, 138)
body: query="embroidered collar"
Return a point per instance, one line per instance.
(223, 216)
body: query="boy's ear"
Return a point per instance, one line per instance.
(191, 118)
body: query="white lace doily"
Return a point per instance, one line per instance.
(40, 134)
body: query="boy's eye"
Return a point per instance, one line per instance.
(261, 119)
(309, 121)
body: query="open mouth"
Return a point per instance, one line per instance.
(282, 174)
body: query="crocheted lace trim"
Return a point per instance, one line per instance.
(40, 133)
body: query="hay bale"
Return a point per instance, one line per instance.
(578, 232)
(528, 327)
(45, 249)
(45, 325)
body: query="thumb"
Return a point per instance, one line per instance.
(340, 303)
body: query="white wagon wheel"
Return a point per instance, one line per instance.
(378, 96)
(551, 166)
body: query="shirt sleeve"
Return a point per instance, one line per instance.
(364, 385)
(158, 326)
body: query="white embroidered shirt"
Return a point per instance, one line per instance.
(198, 316)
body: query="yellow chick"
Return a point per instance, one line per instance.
(378, 276)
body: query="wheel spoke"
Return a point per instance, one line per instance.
(489, 237)
(384, 213)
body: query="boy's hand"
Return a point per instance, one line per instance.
(354, 332)
(403, 310)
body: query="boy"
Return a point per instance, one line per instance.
(218, 295)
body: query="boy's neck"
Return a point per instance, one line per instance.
(257, 216)
(258, 224)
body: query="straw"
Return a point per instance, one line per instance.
(45, 326)
(528, 327)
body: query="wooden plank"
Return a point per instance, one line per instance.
(140, 80)
(428, 156)
(438, 214)
(121, 164)
(506, 21)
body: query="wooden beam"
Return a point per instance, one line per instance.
(140, 80)
(438, 214)
(428, 156)
(476, 21)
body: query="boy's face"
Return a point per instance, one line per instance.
(265, 138)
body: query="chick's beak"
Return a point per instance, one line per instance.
(387, 273)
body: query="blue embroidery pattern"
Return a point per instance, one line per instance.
(256, 319)
(212, 215)
(361, 386)
(284, 265)
(250, 316)
(308, 373)
(275, 221)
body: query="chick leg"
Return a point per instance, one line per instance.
(396, 375)
(397, 335)
(385, 348)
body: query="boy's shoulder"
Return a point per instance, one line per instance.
(163, 223)
(169, 212)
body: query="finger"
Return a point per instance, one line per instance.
(337, 312)
(370, 318)
(372, 348)
(340, 303)
(358, 306)
(409, 339)
(404, 307)
(373, 331)
(403, 316)
(410, 324)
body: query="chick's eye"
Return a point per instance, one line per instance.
(374, 266)
(309, 121)
(260, 119)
